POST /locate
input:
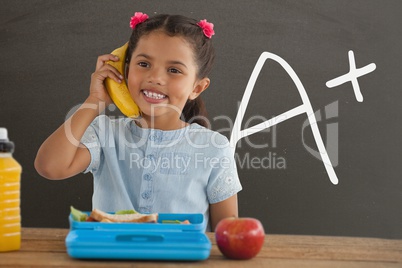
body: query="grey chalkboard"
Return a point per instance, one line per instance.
(49, 49)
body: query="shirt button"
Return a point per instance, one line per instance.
(147, 177)
(151, 157)
(144, 210)
(155, 137)
(146, 195)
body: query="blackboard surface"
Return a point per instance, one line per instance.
(49, 49)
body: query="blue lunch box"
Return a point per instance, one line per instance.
(140, 241)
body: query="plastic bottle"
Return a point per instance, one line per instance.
(10, 175)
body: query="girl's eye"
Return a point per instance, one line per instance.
(143, 64)
(174, 70)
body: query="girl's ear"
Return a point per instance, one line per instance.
(126, 70)
(199, 87)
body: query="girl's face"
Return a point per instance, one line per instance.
(162, 76)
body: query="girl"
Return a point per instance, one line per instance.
(166, 160)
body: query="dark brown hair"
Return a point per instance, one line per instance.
(176, 25)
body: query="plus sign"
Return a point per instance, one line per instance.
(352, 76)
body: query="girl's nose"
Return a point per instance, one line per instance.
(156, 76)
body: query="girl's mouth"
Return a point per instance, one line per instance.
(153, 96)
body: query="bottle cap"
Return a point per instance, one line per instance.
(3, 134)
(6, 146)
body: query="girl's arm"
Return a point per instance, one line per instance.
(62, 155)
(224, 209)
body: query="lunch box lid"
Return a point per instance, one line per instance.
(197, 223)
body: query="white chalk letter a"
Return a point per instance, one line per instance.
(306, 107)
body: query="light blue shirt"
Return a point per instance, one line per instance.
(150, 170)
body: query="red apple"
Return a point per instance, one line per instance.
(239, 238)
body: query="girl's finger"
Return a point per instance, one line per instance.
(104, 58)
(108, 71)
(113, 70)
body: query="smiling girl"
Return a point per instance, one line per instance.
(166, 161)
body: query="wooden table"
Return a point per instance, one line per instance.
(44, 247)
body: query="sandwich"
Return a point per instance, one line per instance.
(99, 215)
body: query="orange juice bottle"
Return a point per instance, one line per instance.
(10, 174)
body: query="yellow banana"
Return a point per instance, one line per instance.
(119, 91)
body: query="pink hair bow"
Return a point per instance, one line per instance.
(207, 28)
(138, 18)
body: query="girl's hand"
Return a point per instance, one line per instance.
(97, 89)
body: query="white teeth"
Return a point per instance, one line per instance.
(154, 95)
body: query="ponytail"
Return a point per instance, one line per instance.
(195, 112)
